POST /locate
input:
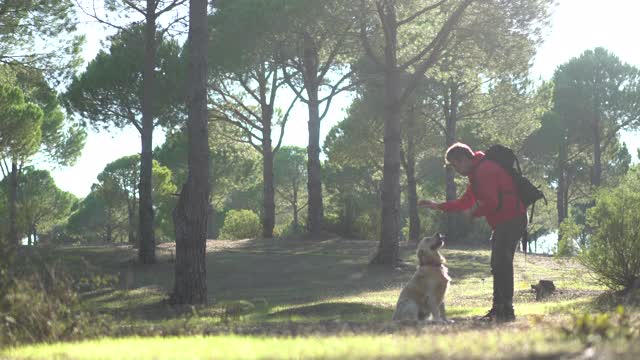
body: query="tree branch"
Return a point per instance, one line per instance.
(365, 41)
(170, 7)
(99, 19)
(136, 8)
(419, 13)
(335, 91)
(242, 126)
(274, 87)
(333, 54)
(245, 85)
(284, 123)
(287, 79)
(436, 47)
(226, 95)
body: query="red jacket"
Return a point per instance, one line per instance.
(489, 184)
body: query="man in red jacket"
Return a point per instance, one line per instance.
(490, 194)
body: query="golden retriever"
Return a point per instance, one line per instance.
(424, 293)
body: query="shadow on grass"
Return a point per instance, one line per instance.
(332, 309)
(276, 273)
(464, 265)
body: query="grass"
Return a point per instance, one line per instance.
(318, 300)
(457, 346)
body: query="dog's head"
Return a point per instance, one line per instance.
(428, 250)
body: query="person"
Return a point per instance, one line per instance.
(490, 194)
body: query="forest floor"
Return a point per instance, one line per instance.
(280, 298)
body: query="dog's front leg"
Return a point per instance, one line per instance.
(434, 309)
(423, 309)
(443, 314)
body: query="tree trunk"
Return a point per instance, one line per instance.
(348, 218)
(410, 169)
(314, 183)
(109, 234)
(212, 225)
(14, 238)
(561, 191)
(268, 193)
(596, 178)
(451, 118)
(387, 253)
(8, 249)
(132, 223)
(295, 206)
(414, 219)
(190, 214)
(34, 231)
(147, 250)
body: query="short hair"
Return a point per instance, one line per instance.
(458, 151)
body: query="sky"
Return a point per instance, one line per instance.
(576, 26)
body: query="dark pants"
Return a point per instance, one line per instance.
(504, 241)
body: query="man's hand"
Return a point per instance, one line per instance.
(428, 204)
(469, 212)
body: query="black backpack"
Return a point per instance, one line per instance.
(506, 158)
(526, 191)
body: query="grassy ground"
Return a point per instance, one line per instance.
(320, 300)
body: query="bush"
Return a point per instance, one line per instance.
(367, 226)
(333, 223)
(603, 326)
(240, 224)
(612, 251)
(288, 229)
(570, 232)
(41, 308)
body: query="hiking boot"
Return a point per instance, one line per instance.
(505, 313)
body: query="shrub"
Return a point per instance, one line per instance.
(41, 308)
(333, 223)
(288, 229)
(240, 224)
(603, 326)
(570, 232)
(367, 226)
(612, 251)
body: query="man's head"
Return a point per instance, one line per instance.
(460, 157)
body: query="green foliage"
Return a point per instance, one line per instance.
(95, 282)
(97, 220)
(597, 91)
(570, 232)
(612, 251)
(590, 328)
(351, 193)
(352, 173)
(313, 298)
(62, 140)
(41, 308)
(51, 25)
(245, 30)
(240, 224)
(367, 225)
(41, 204)
(109, 92)
(109, 213)
(290, 182)
(234, 179)
(287, 228)
(20, 122)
